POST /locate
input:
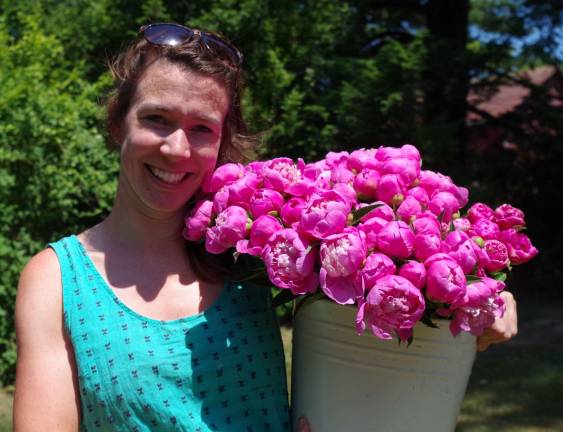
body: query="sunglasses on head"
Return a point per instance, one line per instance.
(171, 34)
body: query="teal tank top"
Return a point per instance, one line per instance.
(220, 370)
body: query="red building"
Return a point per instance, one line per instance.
(499, 115)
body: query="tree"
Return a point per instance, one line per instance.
(56, 174)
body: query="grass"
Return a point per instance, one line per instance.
(518, 387)
(6, 399)
(514, 387)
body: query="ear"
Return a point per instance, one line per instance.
(114, 126)
(116, 135)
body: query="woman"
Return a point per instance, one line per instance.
(143, 338)
(149, 335)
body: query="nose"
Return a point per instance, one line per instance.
(176, 144)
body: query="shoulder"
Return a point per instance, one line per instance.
(42, 269)
(39, 294)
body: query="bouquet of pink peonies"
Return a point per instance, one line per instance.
(368, 228)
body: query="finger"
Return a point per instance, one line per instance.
(303, 425)
(483, 342)
(503, 328)
(511, 315)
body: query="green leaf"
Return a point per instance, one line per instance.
(500, 276)
(472, 278)
(441, 216)
(283, 297)
(357, 215)
(257, 274)
(428, 321)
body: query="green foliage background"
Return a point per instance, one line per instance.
(321, 75)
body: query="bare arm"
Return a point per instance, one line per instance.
(46, 396)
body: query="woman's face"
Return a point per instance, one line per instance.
(170, 137)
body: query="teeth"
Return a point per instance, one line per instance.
(166, 176)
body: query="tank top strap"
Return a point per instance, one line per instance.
(75, 277)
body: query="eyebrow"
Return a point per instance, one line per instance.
(149, 106)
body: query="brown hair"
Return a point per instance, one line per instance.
(237, 145)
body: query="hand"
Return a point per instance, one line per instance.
(303, 425)
(503, 329)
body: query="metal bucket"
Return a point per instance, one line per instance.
(343, 382)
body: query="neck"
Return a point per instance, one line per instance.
(136, 227)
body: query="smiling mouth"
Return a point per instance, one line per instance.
(167, 177)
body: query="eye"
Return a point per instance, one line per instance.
(156, 119)
(202, 129)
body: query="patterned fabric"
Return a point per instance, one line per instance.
(220, 370)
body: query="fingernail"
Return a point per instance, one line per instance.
(302, 422)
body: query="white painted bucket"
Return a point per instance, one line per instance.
(343, 382)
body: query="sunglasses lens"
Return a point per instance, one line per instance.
(223, 50)
(166, 34)
(172, 35)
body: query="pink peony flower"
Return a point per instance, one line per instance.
(223, 175)
(317, 174)
(361, 159)
(342, 255)
(365, 184)
(383, 211)
(198, 220)
(343, 290)
(231, 225)
(291, 211)
(434, 182)
(255, 167)
(419, 194)
(445, 280)
(415, 272)
(390, 186)
(347, 192)
(426, 223)
(426, 245)
(280, 174)
(462, 196)
(507, 216)
(337, 159)
(238, 193)
(290, 262)
(376, 266)
(480, 309)
(341, 174)
(407, 151)
(370, 230)
(396, 239)
(454, 239)
(409, 208)
(407, 169)
(462, 224)
(261, 230)
(465, 251)
(520, 249)
(480, 211)
(264, 201)
(384, 153)
(498, 255)
(372, 222)
(411, 152)
(394, 305)
(444, 203)
(485, 229)
(326, 213)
